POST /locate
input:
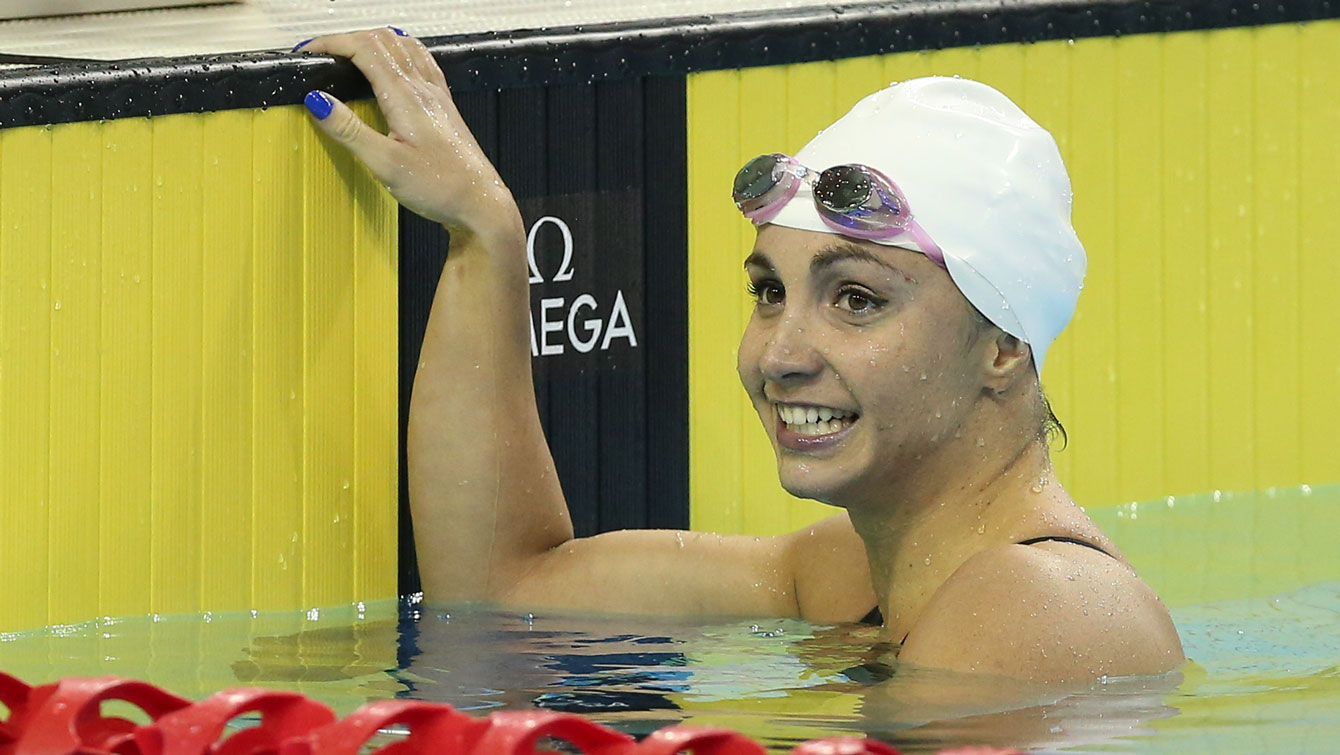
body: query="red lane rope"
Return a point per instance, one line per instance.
(66, 718)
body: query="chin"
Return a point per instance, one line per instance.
(811, 484)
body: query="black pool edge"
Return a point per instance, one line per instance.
(89, 91)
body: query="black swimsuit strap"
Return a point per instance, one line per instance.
(875, 618)
(1062, 539)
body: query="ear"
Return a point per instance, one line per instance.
(1007, 361)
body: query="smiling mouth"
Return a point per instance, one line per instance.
(813, 421)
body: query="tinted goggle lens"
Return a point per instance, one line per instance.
(756, 178)
(843, 188)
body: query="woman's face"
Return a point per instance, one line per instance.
(874, 342)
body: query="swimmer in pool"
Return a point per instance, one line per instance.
(912, 265)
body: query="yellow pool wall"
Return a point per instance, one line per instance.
(1206, 171)
(199, 373)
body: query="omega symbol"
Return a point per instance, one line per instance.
(565, 268)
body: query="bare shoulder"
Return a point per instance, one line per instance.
(1049, 612)
(830, 571)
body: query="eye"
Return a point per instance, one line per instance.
(766, 292)
(858, 301)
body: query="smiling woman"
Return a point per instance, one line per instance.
(866, 358)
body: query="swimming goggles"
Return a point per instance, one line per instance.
(855, 200)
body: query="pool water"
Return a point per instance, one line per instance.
(1253, 581)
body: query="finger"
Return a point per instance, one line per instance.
(424, 63)
(398, 47)
(372, 53)
(399, 86)
(344, 126)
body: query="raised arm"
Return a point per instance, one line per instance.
(484, 493)
(490, 520)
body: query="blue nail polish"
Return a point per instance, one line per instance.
(401, 32)
(302, 44)
(319, 104)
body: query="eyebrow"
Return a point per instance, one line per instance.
(841, 252)
(759, 259)
(829, 256)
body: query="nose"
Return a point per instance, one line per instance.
(789, 355)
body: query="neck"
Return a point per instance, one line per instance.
(924, 527)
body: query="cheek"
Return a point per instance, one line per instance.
(880, 354)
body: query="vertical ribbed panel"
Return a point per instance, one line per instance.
(1186, 224)
(277, 377)
(226, 421)
(76, 301)
(1228, 182)
(1276, 254)
(1319, 273)
(127, 319)
(716, 310)
(375, 303)
(327, 364)
(25, 370)
(197, 369)
(1206, 174)
(176, 281)
(1091, 339)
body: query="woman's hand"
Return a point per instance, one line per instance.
(429, 160)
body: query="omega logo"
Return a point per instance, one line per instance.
(580, 323)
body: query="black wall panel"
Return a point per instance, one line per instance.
(603, 165)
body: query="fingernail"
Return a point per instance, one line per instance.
(401, 32)
(302, 44)
(319, 104)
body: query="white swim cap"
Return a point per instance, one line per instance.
(985, 182)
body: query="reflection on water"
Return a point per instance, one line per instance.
(781, 681)
(1263, 677)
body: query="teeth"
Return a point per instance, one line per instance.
(813, 420)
